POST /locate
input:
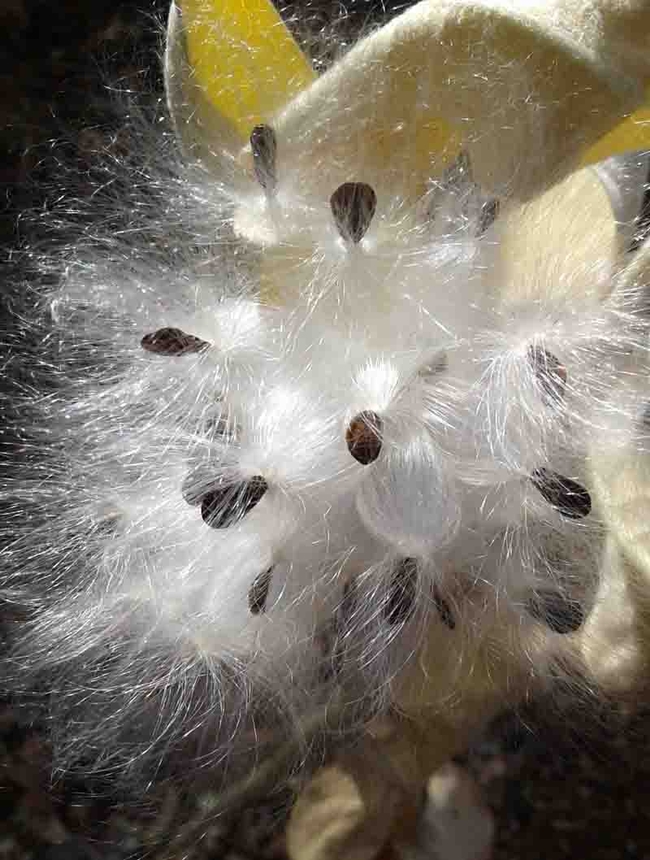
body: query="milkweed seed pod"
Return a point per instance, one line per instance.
(325, 401)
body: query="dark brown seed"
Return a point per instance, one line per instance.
(341, 625)
(569, 497)
(353, 206)
(106, 526)
(550, 373)
(225, 505)
(401, 592)
(444, 610)
(259, 592)
(348, 605)
(456, 180)
(222, 427)
(197, 483)
(172, 341)
(435, 367)
(487, 215)
(459, 173)
(363, 437)
(644, 418)
(264, 147)
(562, 614)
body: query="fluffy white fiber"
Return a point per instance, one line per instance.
(272, 440)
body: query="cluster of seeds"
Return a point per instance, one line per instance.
(224, 502)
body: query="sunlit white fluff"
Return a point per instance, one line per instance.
(140, 616)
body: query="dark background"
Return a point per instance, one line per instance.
(563, 784)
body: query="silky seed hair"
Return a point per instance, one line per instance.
(245, 498)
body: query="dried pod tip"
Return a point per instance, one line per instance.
(569, 497)
(259, 592)
(402, 588)
(363, 437)
(264, 148)
(172, 341)
(225, 505)
(353, 206)
(558, 612)
(550, 373)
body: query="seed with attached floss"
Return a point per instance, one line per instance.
(225, 505)
(562, 614)
(459, 173)
(444, 610)
(197, 483)
(264, 147)
(353, 206)
(363, 437)
(343, 618)
(259, 592)
(437, 365)
(401, 592)
(348, 604)
(569, 497)
(488, 215)
(549, 372)
(172, 341)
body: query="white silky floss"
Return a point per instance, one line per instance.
(306, 430)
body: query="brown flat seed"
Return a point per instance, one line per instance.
(444, 610)
(106, 526)
(562, 614)
(569, 497)
(550, 373)
(459, 173)
(259, 592)
(363, 437)
(348, 605)
(401, 592)
(644, 418)
(488, 215)
(353, 206)
(172, 341)
(264, 147)
(197, 483)
(435, 367)
(224, 506)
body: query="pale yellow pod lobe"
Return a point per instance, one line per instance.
(244, 58)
